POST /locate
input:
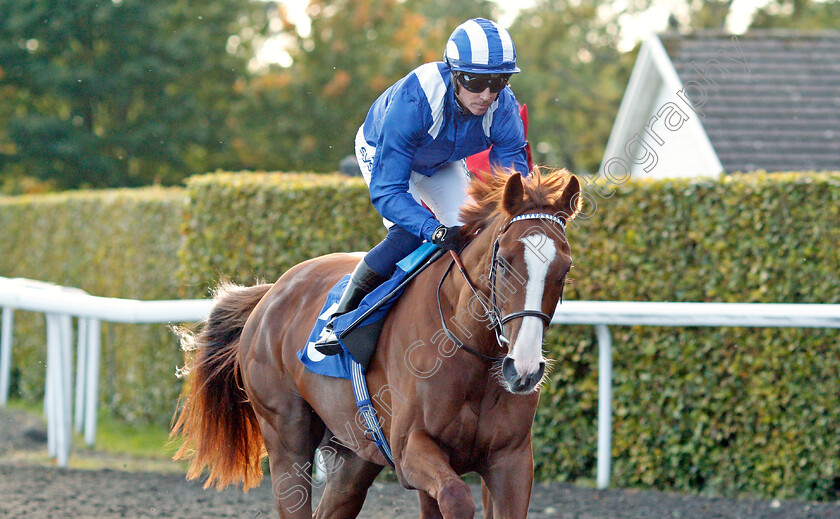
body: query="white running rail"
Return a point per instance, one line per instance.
(633, 313)
(61, 305)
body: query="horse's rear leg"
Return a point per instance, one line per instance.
(291, 439)
(486, 500)
(425, 467)
(348, 480)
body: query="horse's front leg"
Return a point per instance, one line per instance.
(425, 467)
(429, 508)
(509, 477)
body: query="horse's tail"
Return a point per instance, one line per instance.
(217, 424)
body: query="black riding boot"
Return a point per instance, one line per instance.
(362, 282)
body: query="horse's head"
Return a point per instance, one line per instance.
(528, 265)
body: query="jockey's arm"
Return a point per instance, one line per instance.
(391, 172)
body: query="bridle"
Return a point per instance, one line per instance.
(494, 313)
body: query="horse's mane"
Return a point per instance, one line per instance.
(542, 189)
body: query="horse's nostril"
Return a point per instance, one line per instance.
(509, 370)
(534, 378)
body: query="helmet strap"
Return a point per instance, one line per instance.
(457, 89)
(460, 106)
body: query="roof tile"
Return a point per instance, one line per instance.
(768, 99)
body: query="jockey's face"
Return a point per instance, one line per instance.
(476, 103)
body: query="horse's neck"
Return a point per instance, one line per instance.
(476, 258)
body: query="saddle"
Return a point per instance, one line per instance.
(358, 330)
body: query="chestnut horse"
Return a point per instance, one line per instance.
(447, 407)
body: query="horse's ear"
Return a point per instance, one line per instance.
(514, 193)
(568, 205)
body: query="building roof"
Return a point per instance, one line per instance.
(768, 99)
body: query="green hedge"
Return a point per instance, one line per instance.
(116, 243)
(250, 226)
(716, 410)
(720, 410)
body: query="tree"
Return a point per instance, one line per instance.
(572, 80)
(708, 14)
(120, 92)
(798, 14)
(780, 14)
(355, 50)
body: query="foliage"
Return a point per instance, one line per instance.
(118, 243)
(572, 80)
(788, 14)
(709, 15)
(249, 226)
(717, 410)
(193, 105)
(798, 14)
(120, 93)
(132, 92)
(353, 52)
(123, 232)
(713, 410)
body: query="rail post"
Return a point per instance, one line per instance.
(604, 405)
(94, 346)
(6, 353)
(57, 393)
(81, 379)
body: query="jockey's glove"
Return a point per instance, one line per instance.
(447, 238)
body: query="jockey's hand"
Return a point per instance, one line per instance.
(447, 238)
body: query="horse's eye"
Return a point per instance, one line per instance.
(502, 265)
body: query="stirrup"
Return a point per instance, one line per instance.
(328, 345)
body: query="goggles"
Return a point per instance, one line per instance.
(477, 83)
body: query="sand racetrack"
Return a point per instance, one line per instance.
(33, 491)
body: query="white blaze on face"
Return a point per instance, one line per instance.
(540, 251)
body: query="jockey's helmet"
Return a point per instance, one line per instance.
(480, 46)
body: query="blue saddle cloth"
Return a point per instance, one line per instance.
(341, 365)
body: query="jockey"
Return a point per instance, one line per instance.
(412, 145)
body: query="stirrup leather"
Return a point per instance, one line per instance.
(362, 282)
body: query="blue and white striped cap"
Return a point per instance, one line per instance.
(480, 46)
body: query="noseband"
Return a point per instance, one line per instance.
(493, 311)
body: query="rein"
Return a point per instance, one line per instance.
(493, 311)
